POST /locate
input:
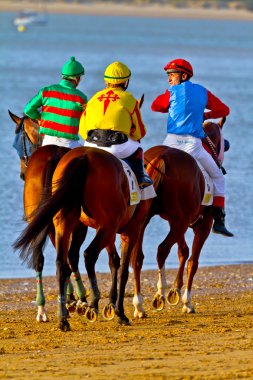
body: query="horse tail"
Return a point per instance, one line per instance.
(67, 196)
(40, 241)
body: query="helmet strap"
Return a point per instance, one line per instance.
(125, 84)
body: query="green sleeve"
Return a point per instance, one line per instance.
(31, 109)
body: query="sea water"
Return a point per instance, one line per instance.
(221, 53)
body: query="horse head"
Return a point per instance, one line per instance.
(27, 139)
(214, 140)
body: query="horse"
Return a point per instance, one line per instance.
(93, 181)
(37, 165)
(179, 201)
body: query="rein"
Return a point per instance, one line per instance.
(23, 135)
(154, 167)
(215, 156)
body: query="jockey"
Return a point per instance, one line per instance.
(112, 121)
(61, 107)
(186, 103)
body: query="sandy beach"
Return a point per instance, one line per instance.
(105, 9)
(215, 343)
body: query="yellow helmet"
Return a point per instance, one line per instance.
(117, 73)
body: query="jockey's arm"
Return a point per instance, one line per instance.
(216, 107)
(82, 126)
(138, 129)
(161, 103)
(31, 108)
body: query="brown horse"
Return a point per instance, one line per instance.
(179, 196)
(37, 167)
(94, 181)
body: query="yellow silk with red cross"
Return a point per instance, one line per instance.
(113, 109)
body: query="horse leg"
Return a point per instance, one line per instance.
(173, 296)
(162, 253)
(90, 256)
(126, 250)
(158, 301)
(40, 297)
(114, 264)
(201, 233)
(63, 235)
(38, 265)
(80, 306)
(137, 258)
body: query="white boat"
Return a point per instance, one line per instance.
(30, 17)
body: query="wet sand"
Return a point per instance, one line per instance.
(112, 9)
(215, 343)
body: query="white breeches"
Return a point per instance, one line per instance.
(194, 147)
(60, 141)
(119, 150)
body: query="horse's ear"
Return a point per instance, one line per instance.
(15, 118)
(222, 122)
(141, 100)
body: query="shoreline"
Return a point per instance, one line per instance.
(147, 11)
(153, 272)
(219, 274)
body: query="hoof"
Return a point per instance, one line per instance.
(188, 309)
(140, 314)
(42, 318)
(108, 312)
(71, 306)
(81, 307)
(158, 302)
(91, 314)
(124, 321)
(64, 325)
(173, 297)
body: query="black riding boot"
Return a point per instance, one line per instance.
(219, 222)
(135, 161)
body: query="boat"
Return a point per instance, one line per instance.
(27, 17)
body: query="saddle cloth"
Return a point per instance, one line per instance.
(208, 196)
(136, 194)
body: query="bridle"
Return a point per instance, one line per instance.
(24, 137)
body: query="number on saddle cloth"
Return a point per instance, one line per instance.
(135, 192)
(208, 195)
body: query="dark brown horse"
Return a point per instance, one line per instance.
(92, 181)
(37, 168)
(179, 196)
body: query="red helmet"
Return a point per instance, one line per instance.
(179, 65)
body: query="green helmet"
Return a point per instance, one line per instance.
(72, 68)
